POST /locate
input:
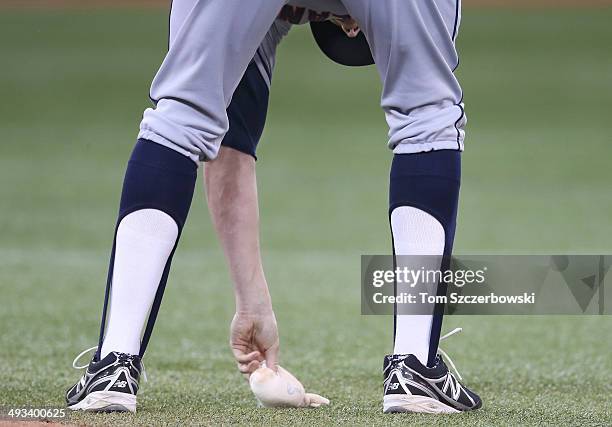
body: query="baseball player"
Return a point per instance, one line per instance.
(232, 200)
(413, 46)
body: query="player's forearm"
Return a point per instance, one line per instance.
(231, 191)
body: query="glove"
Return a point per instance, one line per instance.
(282, 390)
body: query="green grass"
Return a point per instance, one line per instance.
(536, 180)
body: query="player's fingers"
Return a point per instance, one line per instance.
(242, 357)
(272, 358)
(249, 368)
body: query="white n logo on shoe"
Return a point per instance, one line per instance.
(120, 384)
(454, 386)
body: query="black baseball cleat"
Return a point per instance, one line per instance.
(108, 385)
(411, 387)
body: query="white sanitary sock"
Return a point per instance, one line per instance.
(144, 242)
(415, 232)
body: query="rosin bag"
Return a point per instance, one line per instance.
(282, 390)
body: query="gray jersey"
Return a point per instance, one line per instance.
(265, 57)
(212, 43)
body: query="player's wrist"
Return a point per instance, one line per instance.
(252, 296)
(254, 303)
(254, 308)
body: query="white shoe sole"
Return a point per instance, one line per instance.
(418, 404)
(106, 401)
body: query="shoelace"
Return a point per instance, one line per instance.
(95, 347)
(446, 356)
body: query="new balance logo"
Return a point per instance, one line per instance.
(455, 387)
(121, 384)
(393, 386)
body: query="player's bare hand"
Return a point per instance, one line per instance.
(348, 25)
(254, 339)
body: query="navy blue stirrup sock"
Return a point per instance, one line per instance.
(429, 182)
(159, 178)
